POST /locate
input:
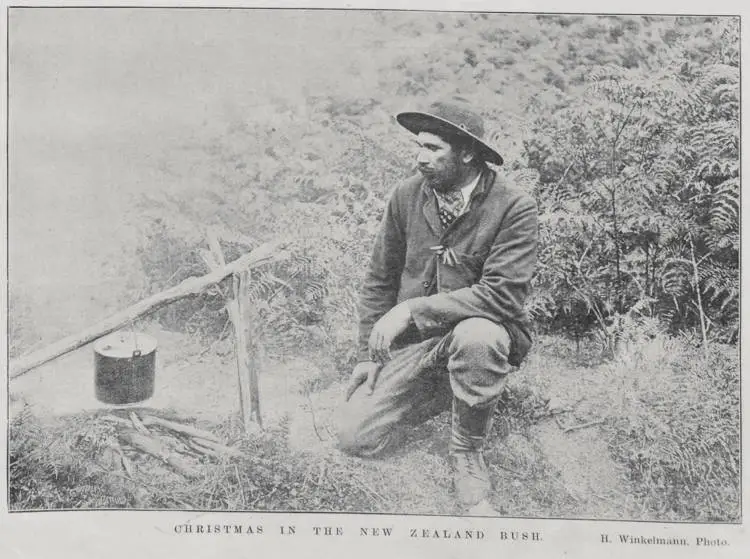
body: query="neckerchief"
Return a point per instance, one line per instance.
(450, 206)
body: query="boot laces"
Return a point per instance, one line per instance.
(472, 463)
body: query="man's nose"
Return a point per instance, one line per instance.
(422, 157)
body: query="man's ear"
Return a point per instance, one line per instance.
(467, 155)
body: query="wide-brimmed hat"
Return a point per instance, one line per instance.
(453, 117)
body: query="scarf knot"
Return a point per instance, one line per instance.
(450, 206)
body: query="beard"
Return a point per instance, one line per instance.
(443, 179)
(438, 183)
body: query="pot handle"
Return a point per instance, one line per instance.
(136, 353)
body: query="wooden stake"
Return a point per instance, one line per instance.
(241, 353)
(189, 287)
(240, 315)
(248, 356)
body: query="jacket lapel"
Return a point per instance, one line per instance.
(430, 212)
(484, 184)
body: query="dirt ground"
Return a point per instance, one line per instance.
(539, 471)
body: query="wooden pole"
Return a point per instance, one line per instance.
(215, 259)
(239, 308)
(240, 352)
(248, 353)
(189, 287)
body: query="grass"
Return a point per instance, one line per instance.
(679, 430)
(669, 417)
(663, 441)
(64, 464)
(663, 444)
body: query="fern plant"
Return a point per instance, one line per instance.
(639, 196)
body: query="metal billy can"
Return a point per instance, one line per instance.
(124, 365)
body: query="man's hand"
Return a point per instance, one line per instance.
(364, 371)
(385, 330)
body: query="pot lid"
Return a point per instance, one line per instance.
(123, 344)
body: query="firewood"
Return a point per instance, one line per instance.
(180, 428)
(202, 449)
(228, 450)
(583, 425)
(155, 448)
(110, 460)
(176, 442)
(117, 420)
(127, 464)
(125, 461)
(140, 427)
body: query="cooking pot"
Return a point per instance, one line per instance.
(124, 365)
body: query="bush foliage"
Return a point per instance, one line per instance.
(624, 129)
(639, 191)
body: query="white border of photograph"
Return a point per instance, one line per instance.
(126, 534)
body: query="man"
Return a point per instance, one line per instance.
(441, 310)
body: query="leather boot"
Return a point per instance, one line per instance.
(469, 430)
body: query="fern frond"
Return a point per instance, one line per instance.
(315, 290)
(725, 206)
(719, 280)
(676, 278)
(715, 76)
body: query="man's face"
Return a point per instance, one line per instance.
(438, 161)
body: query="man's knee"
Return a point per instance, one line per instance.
(480, 338)
(478, 361)
(347, 437)
(356, 435)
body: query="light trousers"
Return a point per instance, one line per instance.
(419, 382)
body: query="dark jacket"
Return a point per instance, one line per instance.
(494, 243)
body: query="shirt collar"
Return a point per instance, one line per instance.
(467, 190)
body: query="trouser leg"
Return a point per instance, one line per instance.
(476, 353)
(478, 368)
(469, 363)
(410, 389)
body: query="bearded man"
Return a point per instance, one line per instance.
(442, 318)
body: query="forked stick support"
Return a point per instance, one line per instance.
(239, 307)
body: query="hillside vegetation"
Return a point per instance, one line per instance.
(626, 132)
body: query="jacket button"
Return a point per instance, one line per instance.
(426, 284)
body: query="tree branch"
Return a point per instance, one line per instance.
(190, 287)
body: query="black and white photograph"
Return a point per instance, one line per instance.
(409, 264)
